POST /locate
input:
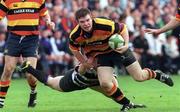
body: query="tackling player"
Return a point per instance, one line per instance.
(73, 80)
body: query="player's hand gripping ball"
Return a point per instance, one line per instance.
(116, 41)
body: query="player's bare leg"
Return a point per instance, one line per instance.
(99, 89)
(32, 81)
(10, 64)
(140, 75)
(105, 76)
(53, 82)
(125, 102)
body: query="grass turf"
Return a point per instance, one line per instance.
(156, 96)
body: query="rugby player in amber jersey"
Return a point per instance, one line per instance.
(23, 36)
(89, 41)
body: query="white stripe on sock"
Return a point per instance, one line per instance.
(1, 100)
(1, 103)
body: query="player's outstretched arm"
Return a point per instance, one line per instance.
(173, 23)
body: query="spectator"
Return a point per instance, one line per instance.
(60, 50)
(46, 56)
(171, 55)
(141, 47)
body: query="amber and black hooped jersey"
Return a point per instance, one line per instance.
(23, 15)
(178, 11)
(96, 42)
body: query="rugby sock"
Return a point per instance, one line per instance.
(157, 76)
(4, 85)
(33, 88)
(152, 74)
(42, 77)
(120, 98)
(117, 95)
(32, 84)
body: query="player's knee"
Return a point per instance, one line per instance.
(8, 71)
(106, 86)
(31, 78)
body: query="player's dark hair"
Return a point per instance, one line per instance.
(82, 12)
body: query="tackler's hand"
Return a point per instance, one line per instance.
(155, 32)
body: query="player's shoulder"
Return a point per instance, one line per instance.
(3, 1)
(103, 20)
(75, 32)
(43, 1)
(40, 1)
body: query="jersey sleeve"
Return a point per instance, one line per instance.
(75, 33)
(119, 28)
(3, 9)
(73, 46)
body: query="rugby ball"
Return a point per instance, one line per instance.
(116, 41)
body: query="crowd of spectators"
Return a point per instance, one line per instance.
(160, 52)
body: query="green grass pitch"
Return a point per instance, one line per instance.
(156, 96)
